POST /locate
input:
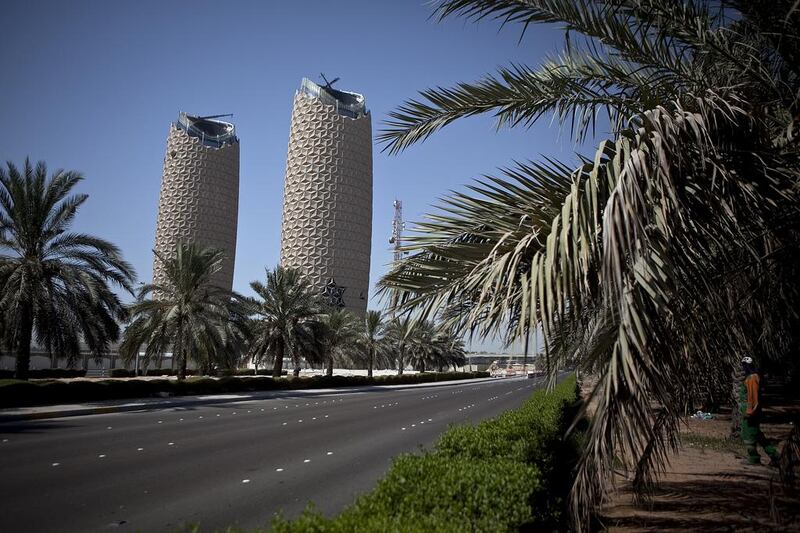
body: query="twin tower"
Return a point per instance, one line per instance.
(327, 202)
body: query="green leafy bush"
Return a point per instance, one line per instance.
(168, 372)
(19, 393)
(47, 373)
(121, 373)
(505, 474)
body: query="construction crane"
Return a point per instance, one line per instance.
(396, 240)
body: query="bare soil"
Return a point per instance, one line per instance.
(708, 488)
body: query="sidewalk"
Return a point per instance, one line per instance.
(706, 486)
(144, 404)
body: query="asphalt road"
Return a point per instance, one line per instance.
(224, 464)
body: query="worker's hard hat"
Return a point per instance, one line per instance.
(747, 360)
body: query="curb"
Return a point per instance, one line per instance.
(85, 410)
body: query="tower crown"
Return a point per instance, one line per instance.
(212, 133)
(352, 105)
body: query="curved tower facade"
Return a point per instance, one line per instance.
(199, 199)
(327, 202)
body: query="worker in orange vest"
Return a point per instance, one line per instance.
(751, 416)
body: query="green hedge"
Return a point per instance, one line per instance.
(14, 393)
(47, 373)
(504, 474)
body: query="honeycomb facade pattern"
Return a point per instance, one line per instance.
(199, 200)
(327, 205)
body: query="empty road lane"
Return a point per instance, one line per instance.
(223, 464)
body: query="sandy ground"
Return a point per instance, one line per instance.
(708, 488)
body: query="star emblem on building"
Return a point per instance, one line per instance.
(333, 294)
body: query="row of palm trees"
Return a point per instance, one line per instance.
(57, 289)
(286, 318)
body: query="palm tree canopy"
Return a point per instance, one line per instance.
(374, 326)
(374, 340)
(286, 310)
(186, 313)
(652, 258)
(341, 333)
(53, 280)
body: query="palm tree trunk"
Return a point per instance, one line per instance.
(400, 363)
(371, 361)
(23, 344)
(329, 370)
(180, 354)
(277, 368)
(736, 414)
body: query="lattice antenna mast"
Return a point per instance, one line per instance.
(397, 230)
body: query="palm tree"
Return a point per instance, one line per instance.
(399, 334)
(54, 283)
(341, 331)
(372, 337)
(422, 349)
(449, 350)
(185, 313)
(286, 323)
(653, 257)
(430, 346)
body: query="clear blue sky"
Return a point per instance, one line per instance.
(92, 86)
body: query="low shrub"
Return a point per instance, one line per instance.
(505, 474)
(159, 372)
(15, 393)
(154, 372)
(47, 373)
(121, 373)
